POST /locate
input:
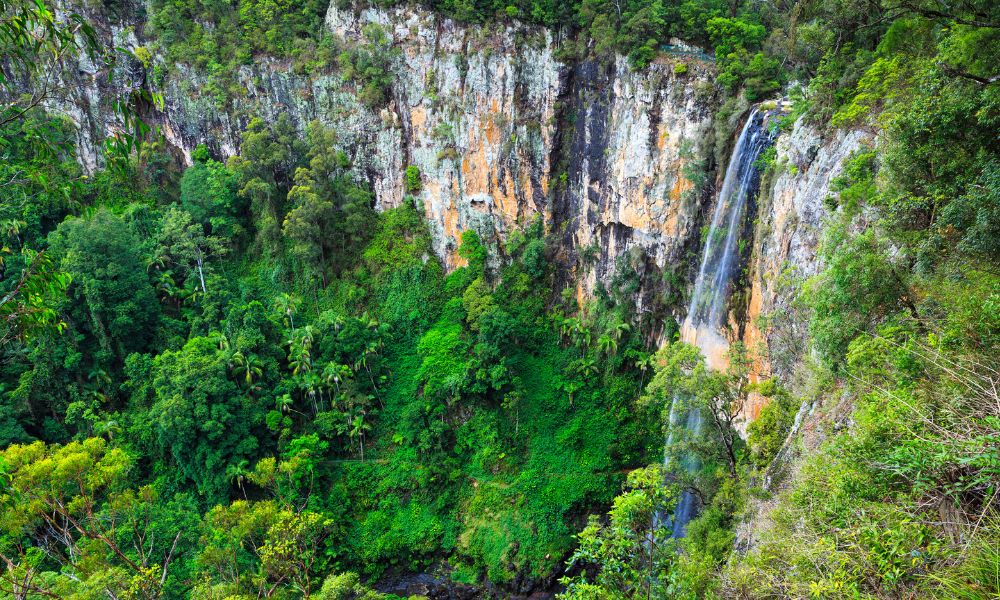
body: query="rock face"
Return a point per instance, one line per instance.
(617, 163)
(787, 236)
(475, 112)
(636, 160)
(501, 131)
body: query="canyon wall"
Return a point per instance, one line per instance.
(791, 209)
(618, 163)
(502, 132)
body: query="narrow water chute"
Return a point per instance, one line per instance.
(704, 324)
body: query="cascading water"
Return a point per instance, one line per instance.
(706, 313)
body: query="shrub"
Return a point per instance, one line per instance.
(413, 184)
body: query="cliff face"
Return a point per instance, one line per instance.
(637, 150)
(614, 161)
(786, 239)
(474, 111)
(501, 131)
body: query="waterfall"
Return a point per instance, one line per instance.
(707, 314)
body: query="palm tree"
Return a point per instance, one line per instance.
(371, 350)
(12, 228)
(570, 387)
(284, 404)
(286, 305)
(581, 334)
(220, 340)
(110, 427)
(167, 288)
(300, 362)
(308, 336)
(247, 367)
(607, 345)
(239, 473)
(99, 377)
(299, 355)
(567, 326)
(310, 384)
(334, 373)
(190, 297)
(358, 428)
(644, 362)
(619, 330)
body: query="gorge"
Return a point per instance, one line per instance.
(622, 162)
(381, 299)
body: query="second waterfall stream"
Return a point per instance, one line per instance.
(707, 314)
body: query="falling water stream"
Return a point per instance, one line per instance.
(706, 315)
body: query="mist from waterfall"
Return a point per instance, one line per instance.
(707, 314)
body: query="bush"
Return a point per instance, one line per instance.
(413, 184)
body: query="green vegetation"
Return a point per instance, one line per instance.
(890, 489)
(218, 38)
(239, 380)
(412, 176)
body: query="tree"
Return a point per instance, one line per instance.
(286, 304)
(630, 556)
(103, 255)
(70, 524)
(35, 40)
(203, 421)
(681, 385)
(247, 367)
(860, 287)
(270, 154)
(209, 194)
(183, 249)
(259, 548)
(607, 345)
(307, 224)
(26, 308)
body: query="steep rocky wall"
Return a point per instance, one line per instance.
(786, 239)
(501, 131)
(494, 122)
(636, 151)
(476, 115)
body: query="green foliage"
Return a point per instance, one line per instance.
(737, 43)
(219, 38)
(473, 251)
(632, 555)
(860, 506)
(208, 192)
(249, 383)
(860, 287)
(767, 433)
(413, 184)
(108, 534)
(346, 586)
(270, 544)
(202, 420)
(113, 296)
(370, 66)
